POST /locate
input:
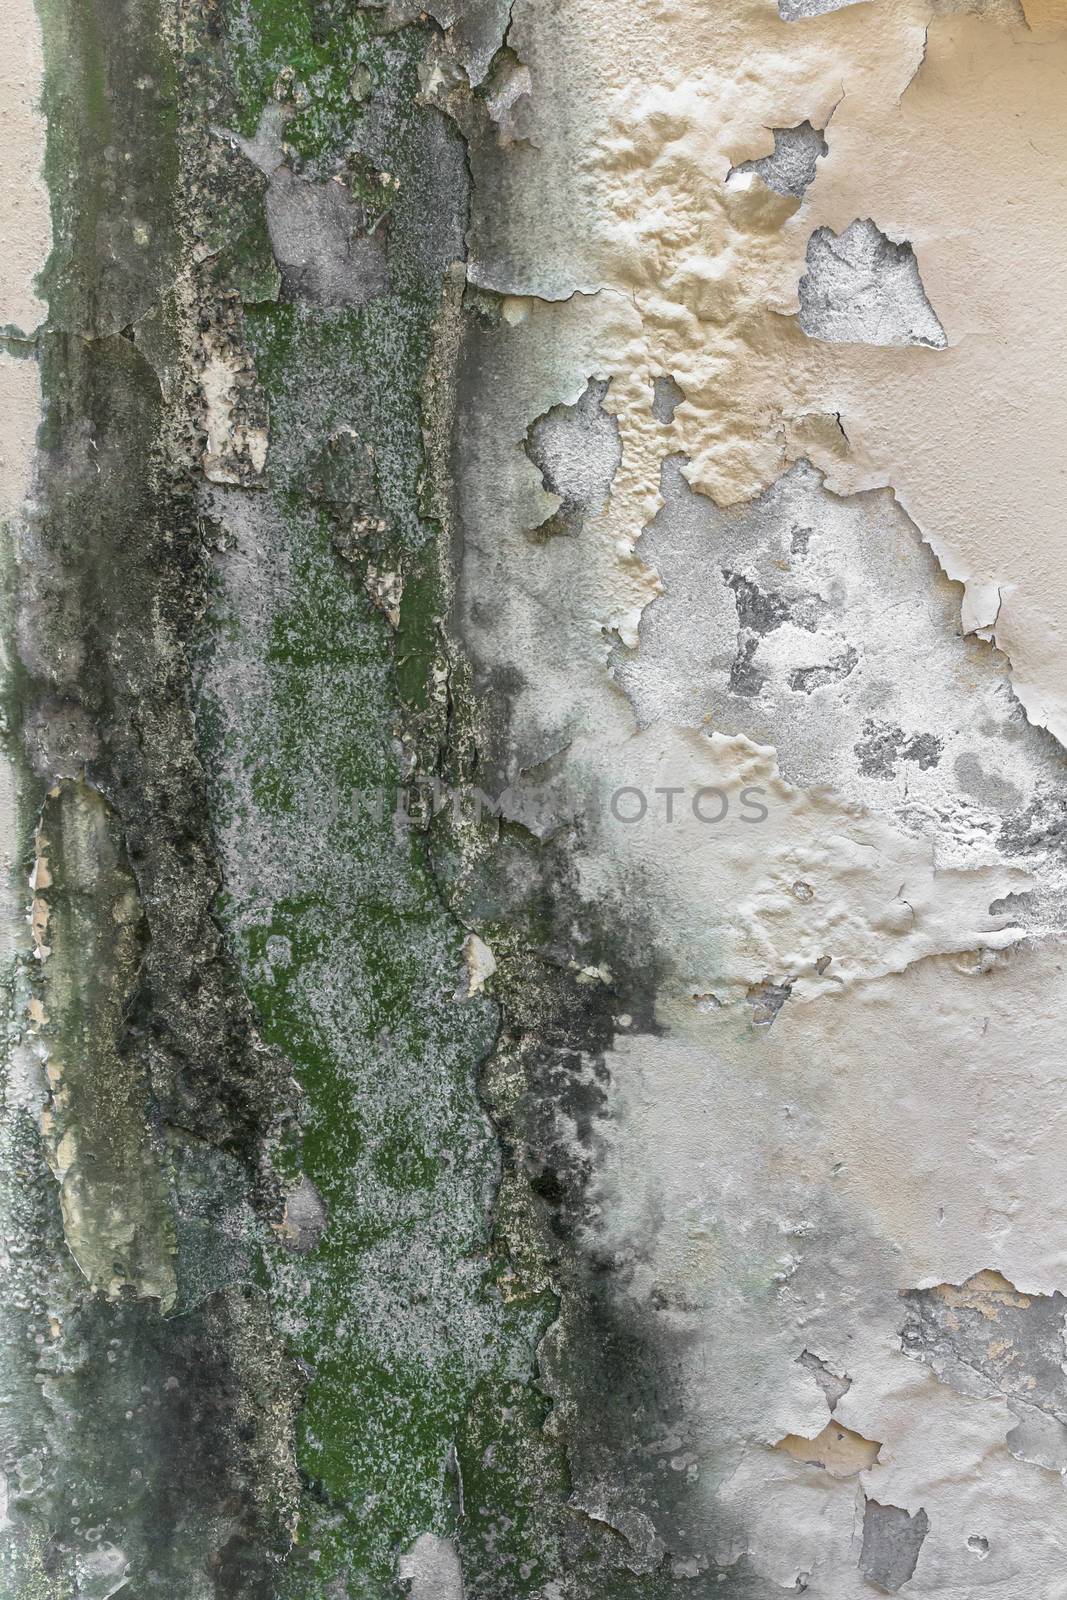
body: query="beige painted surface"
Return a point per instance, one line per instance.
(946, 129)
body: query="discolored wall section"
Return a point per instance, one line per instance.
(534, 801)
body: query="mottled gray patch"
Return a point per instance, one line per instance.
(924, 749)
(758, 611)
(766, 1000)
(1012, 907)
(577, 451)
(985, 1338)
(746, 679)
(797, 10)
(320, 241)
(1041, 825)
(833, 1387)
(884, 745)
(806, 679)
(304, 1220)
(431, 1568)
(791, 167)
(892, 1539)
(863, 288)
(667, 396)
(992, 787)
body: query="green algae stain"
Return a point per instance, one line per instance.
(417, 1345)
(354, 965)
(320, 59)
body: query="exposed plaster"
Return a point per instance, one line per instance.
(321, 242)
(791, 167)
(892, 1540)
(577, 452)
(24, 219)
(862, 288)
(431, 1569)
(984, 1338)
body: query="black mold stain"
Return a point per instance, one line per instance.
(758, 610)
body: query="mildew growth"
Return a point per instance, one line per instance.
(88, 934)
(153, 1446)
(324, 674)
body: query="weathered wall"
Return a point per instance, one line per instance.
(648, 419)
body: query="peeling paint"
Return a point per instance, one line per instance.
(892, 1540)
(862, 288)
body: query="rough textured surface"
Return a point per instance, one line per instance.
(791, 168)
(892, 1540)
(862, 288)
(534, 877)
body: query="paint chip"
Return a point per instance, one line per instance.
(837, 1449)
(862, 287)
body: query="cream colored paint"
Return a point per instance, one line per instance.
(899, 1124)
(26, 236)
(910, 1134)
(944, 128)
